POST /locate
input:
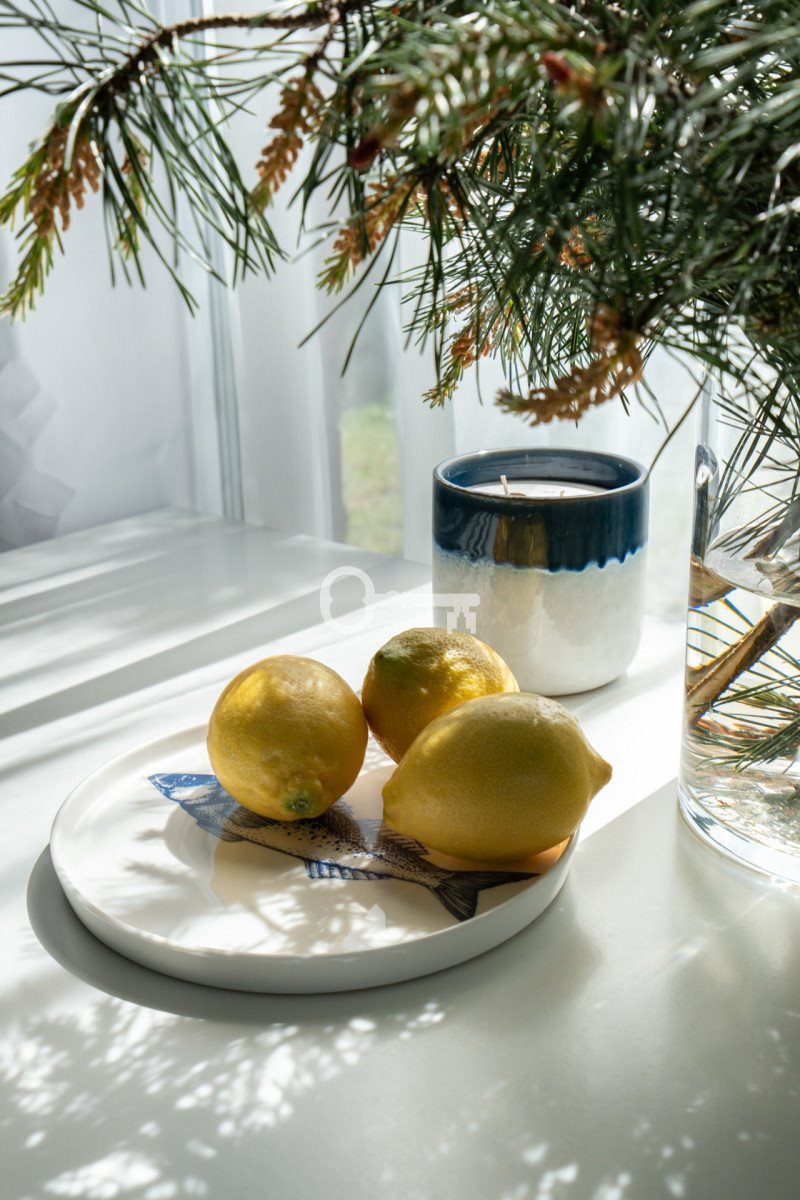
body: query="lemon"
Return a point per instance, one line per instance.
(422, 673)
(287, 737)
(498, 779)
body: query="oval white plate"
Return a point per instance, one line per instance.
(174, 875)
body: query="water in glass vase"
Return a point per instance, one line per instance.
(740, 768)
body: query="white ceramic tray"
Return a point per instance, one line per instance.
(161, 865)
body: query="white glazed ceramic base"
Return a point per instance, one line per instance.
(560, 632)
(146, 879)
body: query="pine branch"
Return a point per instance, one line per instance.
(709, 682)
(589, 181)
(79, 150)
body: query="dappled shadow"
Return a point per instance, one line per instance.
(619, 1048)
(120, 1101)
(131, 1096)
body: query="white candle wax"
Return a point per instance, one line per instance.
(536, 489)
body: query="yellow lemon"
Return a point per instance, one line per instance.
(498, 779)
(422, 673)
(287, 737)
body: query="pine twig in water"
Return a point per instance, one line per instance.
(709, 682)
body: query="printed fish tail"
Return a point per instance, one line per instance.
(459, 892)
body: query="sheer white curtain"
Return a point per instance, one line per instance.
(107, 405)
(298, 413)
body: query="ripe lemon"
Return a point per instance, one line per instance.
(422, 673)
(498, 778)
(287, 737)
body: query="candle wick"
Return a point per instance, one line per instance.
(504, 482)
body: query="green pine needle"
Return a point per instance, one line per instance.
(640, 161)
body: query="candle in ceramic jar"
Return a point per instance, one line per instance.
(559, 569)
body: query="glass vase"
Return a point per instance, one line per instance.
(740, 762)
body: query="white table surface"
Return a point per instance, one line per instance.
(639, 1040)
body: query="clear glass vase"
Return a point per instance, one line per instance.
(740, 763)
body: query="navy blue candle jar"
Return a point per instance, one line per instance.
(552, 544)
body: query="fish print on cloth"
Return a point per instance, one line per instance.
(333, 846)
